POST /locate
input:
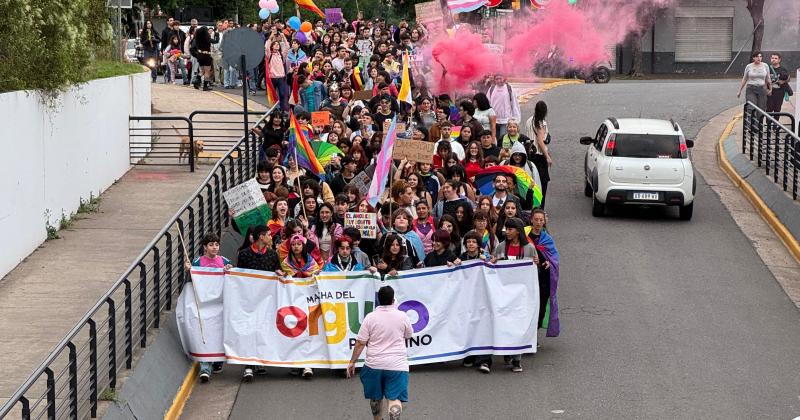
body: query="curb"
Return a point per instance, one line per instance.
(176, 409)
(550, 85)
(766, 213)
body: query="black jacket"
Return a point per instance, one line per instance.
(268, 261)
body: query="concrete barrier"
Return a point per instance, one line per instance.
(56, 156)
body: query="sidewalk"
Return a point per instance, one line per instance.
(46, 294)
(767, 244)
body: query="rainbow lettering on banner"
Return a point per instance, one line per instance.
(301, 149)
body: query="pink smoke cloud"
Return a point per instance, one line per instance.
(465, 59)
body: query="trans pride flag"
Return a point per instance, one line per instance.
(300, 148)
(463, 6)
(383, 164)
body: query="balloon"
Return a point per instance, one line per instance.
(263, 4)
(271, 4)
(274, 9)
(263, 14)
(294, 22)
(306, 27)
(301, 37)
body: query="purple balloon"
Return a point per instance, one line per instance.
(301, 37)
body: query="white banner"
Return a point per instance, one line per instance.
(475, 308)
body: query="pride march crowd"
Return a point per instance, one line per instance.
(349, 98)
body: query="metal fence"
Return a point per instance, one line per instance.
(178, 141)
(84, 367)
(772, 145)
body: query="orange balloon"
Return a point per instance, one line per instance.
(306, 27)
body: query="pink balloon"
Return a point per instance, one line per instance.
(272, 4)
(263, 4)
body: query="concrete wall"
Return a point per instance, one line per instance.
(54, 157)
(781, 34)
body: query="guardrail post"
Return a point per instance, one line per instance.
(191, 152)
(170, 269)
(191, 238)
(93, 366)
(767, 145)
(128, 325)
(112, 343)
(142, 305)
(51, 393)
(218, 201)
(156, 287)
(26, 408)
(183, 257)
(201, 215)
(73, 380)
(210, 210)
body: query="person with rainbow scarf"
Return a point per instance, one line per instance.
(549, 264)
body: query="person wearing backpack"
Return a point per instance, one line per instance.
(519, 158)
(505, 104)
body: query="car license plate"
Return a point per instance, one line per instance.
(645, 196)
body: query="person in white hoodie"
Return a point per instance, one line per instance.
(519, 158)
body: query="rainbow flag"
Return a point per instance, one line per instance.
(405, 88)
(301, 149)
(383, 165)
(272, 94)
(310, 6)
(484, 181)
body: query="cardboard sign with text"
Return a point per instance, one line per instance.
(333, 15)
(414, 150)
(248, 205)
(361, 181)
(362, 95)
(429, 11)
(366, 223)
(320, 118)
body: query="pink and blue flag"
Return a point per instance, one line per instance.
(382, 165)
(463, 6)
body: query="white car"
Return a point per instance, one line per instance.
(639, 161)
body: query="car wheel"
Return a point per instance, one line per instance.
(598, 208)
(685, 212)
(587, 189)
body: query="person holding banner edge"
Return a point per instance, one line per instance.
(385, 370)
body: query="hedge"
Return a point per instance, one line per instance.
(48, 45)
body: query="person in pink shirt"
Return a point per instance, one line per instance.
(385, 371)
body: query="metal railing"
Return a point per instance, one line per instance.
(86, 364)
(772, 146)
(177, 141)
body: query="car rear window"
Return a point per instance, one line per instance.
(647, 146)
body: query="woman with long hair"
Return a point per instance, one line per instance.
(202, 43)
(149, 41)
(393, 258)
(326, 230)
(359, 157)
(539, 152)
(274, 132)
(424, 115)
(484, 113)
(448, 223)
(473, 162)
(280, 215)
(464, 216)
(423, 225)
(465, 136)
(277, 68)
(510, 210)
(420, 192)
(444, 151)
(279, 179)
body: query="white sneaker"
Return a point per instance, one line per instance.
(484, 368)
(308, 373)
(248, 375)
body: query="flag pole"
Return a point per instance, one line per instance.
(297, 178)
(196, 297)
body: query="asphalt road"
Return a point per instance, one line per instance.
(660, 318)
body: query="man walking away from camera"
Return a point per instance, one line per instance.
(385, 371)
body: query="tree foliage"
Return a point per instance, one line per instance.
(48, 44)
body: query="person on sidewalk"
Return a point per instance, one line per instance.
(756, 78)
(781, 89)
(505, 104)
(259, 256)
(210, 258)
(385, 371)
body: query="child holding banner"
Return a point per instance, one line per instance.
(210, 258)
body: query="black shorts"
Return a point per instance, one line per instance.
(204, 59)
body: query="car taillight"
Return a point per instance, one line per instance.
(612, 143)
(684, 150)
